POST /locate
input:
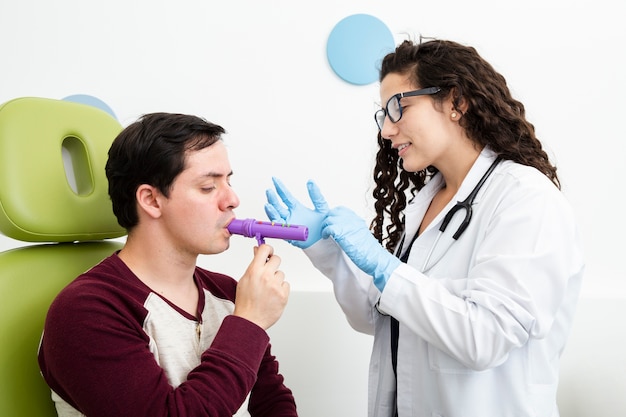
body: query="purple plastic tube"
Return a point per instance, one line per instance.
(260, 230)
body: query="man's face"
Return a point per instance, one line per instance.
(201, 202)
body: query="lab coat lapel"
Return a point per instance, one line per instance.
(431, 246)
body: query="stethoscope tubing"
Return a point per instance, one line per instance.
(465, 204)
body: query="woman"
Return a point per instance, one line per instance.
(472, 310)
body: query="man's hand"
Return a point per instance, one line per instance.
(262, 291)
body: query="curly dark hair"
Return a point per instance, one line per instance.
(493, 118)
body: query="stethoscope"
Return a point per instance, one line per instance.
(467, 204)
(461, 205)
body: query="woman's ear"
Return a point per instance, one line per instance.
(148, 201)
(462, 104)
(458, 104)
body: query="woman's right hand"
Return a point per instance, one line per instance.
(293, 212)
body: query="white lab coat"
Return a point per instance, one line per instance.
(483, 320)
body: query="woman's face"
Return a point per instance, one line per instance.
(425, 132)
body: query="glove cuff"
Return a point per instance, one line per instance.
(384, 269)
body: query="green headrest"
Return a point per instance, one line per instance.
(39, 200)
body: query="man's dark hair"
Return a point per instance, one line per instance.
(152, 151)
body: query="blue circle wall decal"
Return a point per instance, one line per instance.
(91, 101)
(355, 47)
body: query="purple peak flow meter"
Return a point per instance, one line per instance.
(260, 230)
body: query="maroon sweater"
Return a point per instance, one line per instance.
(112, 347)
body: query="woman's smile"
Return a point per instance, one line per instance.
(402, 148)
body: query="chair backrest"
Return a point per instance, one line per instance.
(53, 191)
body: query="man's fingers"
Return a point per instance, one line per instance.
(262, 254)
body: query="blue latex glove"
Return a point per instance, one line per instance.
(295, 212)
(358, 242)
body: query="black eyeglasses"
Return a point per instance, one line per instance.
(393, 109)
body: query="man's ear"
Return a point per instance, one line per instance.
(148, 201)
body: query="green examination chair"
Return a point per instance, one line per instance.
(53, 192)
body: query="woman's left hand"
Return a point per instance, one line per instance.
(357, 241)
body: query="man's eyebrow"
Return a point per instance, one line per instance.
(213, 174)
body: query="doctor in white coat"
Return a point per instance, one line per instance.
(470, 274)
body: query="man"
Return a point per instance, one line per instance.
(148, 333)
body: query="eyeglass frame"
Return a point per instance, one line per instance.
(385, 111)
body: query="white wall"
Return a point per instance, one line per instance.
(259, 69)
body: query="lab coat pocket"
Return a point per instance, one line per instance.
(441, 362)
